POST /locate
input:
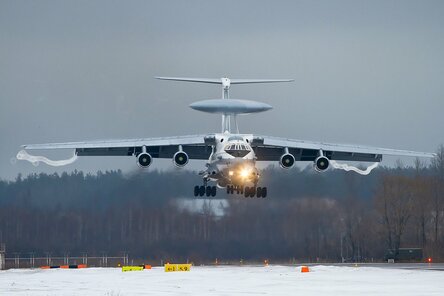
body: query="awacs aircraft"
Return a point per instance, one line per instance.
(231, 156)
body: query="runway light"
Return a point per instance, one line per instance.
(429, 260)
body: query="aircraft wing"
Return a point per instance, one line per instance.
(195, 146)
(271, 149)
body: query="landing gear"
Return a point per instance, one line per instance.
(211, 191)
(235, 188)
(261, 192)
(205, 190)
(248, 191)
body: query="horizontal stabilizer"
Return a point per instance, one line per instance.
(245, 81)
(224, 80)
(201, 80)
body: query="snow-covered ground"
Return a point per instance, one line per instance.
(228, 280)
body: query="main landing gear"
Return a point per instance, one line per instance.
(205, 190)
(247, 191)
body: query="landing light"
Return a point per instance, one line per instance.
(245, 173)
(231, 173)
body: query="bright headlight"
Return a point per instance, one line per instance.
(244, 173)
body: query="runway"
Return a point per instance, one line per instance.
(378, 279)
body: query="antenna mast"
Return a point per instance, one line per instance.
(226, 118)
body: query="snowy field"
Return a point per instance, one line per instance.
(250, 280)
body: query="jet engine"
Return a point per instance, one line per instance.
(321, 164)
(286, 161)
(144, 160)
(180, 159)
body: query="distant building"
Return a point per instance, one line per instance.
(404, 255)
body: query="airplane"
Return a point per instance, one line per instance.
(231, 156)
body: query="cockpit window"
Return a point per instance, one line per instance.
(235, 138)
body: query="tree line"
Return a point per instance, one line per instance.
(307, 215)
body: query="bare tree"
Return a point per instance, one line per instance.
(421, 203)
(394, 202)
(352, 216)
(437, 166)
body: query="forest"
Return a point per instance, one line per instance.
(307, 216)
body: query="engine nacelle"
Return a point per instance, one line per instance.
(287, 161)
(321, 164)
(144, 160)
(180, 159)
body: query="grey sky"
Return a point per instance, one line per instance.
(366, 72)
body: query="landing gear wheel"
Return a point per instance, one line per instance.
(247, 191)
(213, 191)
(264, 192)
(208, 191)
(196, 190)
(259, 192)
(252, 192)
(201, 190)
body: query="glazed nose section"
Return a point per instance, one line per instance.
(237, 149)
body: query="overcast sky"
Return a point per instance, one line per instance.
(366, 72)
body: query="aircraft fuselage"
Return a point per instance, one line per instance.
(232, 161)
